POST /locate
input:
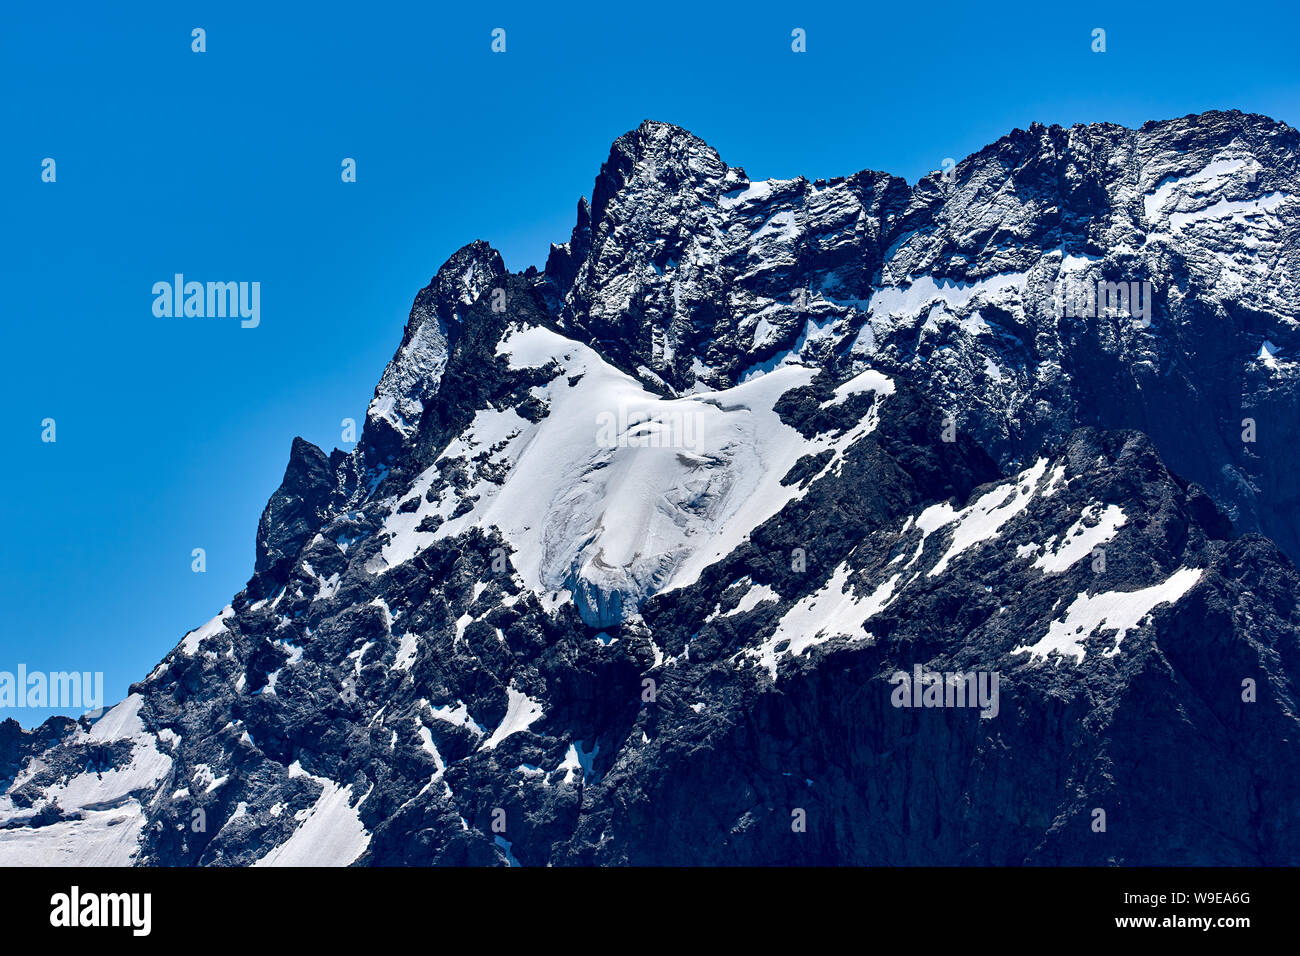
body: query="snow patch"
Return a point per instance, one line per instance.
(330, 834)
(1095, 527)
(832, 611)
(521, 713)
(1118, 611)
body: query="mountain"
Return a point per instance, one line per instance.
(777, 522)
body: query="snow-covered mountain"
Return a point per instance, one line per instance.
(649, 557)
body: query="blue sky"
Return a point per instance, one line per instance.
(172, 432)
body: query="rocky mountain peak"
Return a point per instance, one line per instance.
(292, 516)
(658, 158)
(414, 374)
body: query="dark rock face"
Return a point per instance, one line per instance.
(292, 516)
(17, 745)
(773, 523)
(415, 372)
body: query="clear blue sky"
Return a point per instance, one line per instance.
(225, 166)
